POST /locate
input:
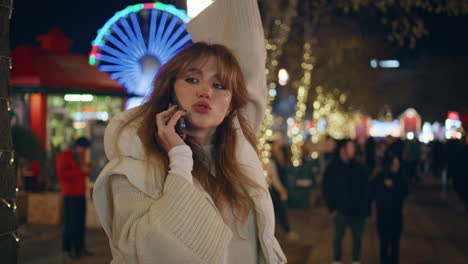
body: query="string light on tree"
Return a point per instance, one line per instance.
(279, 34)
(329, 107)
(302, 94)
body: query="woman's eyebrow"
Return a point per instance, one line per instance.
(195, 71)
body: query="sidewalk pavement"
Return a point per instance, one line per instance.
(435, 232)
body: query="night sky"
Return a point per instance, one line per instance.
(435, 71)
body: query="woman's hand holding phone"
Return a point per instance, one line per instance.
(166, 122)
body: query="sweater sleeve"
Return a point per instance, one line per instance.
(181, 161)
(180, 227)
(238, 26)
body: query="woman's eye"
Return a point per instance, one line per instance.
(191, 80)
(218, 86)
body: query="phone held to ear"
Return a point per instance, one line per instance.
(180, 126)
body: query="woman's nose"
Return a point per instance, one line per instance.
(204, 90)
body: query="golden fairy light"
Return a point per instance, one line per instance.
(302, 93)
(328, 106)
(274, 49)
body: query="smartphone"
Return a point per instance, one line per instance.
(180, 126)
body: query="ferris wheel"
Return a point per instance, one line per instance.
(134, 43)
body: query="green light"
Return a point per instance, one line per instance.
(98, 42)
(105, 30)
(135, 8)
(171, 9)
(92, 60)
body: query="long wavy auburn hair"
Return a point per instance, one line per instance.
(229, 186)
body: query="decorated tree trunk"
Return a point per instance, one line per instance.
(8, 223)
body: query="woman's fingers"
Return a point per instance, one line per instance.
(166, 122)
(173, 121)
(161, 118)
(166, 114)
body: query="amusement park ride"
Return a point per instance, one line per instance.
(134, 43)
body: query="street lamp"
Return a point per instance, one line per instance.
(384, 64)
(283, 77)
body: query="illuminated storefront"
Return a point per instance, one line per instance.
(57, 93)
(58, 96)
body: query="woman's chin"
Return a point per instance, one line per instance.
(202, 123)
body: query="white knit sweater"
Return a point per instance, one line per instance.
(149, 220)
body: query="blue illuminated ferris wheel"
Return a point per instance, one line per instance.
(136, 42)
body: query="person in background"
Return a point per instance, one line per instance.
(411, 158)
(437, 156)
(345, 190)
(370, 154)
(389, 190)
(281, 156)
(460, 176)
(395, 146)
(72, 172)
(279, 196)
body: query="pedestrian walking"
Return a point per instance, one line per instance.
(72, 171)
(345, 189)
(389, 190)
(460, 175)
(411, 158)
(279, 196)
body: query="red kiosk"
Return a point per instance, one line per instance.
(410, 122)
(43, 79)
(50, 70)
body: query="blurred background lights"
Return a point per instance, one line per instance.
(389, 64)
(272, 92)
(374, 63)
(78, 97)
(283, 77)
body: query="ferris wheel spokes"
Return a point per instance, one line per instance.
(136, 42)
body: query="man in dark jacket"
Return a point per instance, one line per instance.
(345, 191)
(72, 173)
(460, 174)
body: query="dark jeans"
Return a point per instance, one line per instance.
(389, 227)
(357, 228)
(280, 210)
(389, 248)
(74, 210)
(411, 168)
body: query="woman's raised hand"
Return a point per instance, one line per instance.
(166, 122)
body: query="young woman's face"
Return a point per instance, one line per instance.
(350, 150)
(395, 165)
(201, 93)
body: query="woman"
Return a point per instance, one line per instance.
(389, 190)
(196, 194)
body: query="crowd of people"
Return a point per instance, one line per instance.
(358, 174)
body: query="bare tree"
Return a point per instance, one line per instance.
(8, 223)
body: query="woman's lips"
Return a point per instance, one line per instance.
(201, 109)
